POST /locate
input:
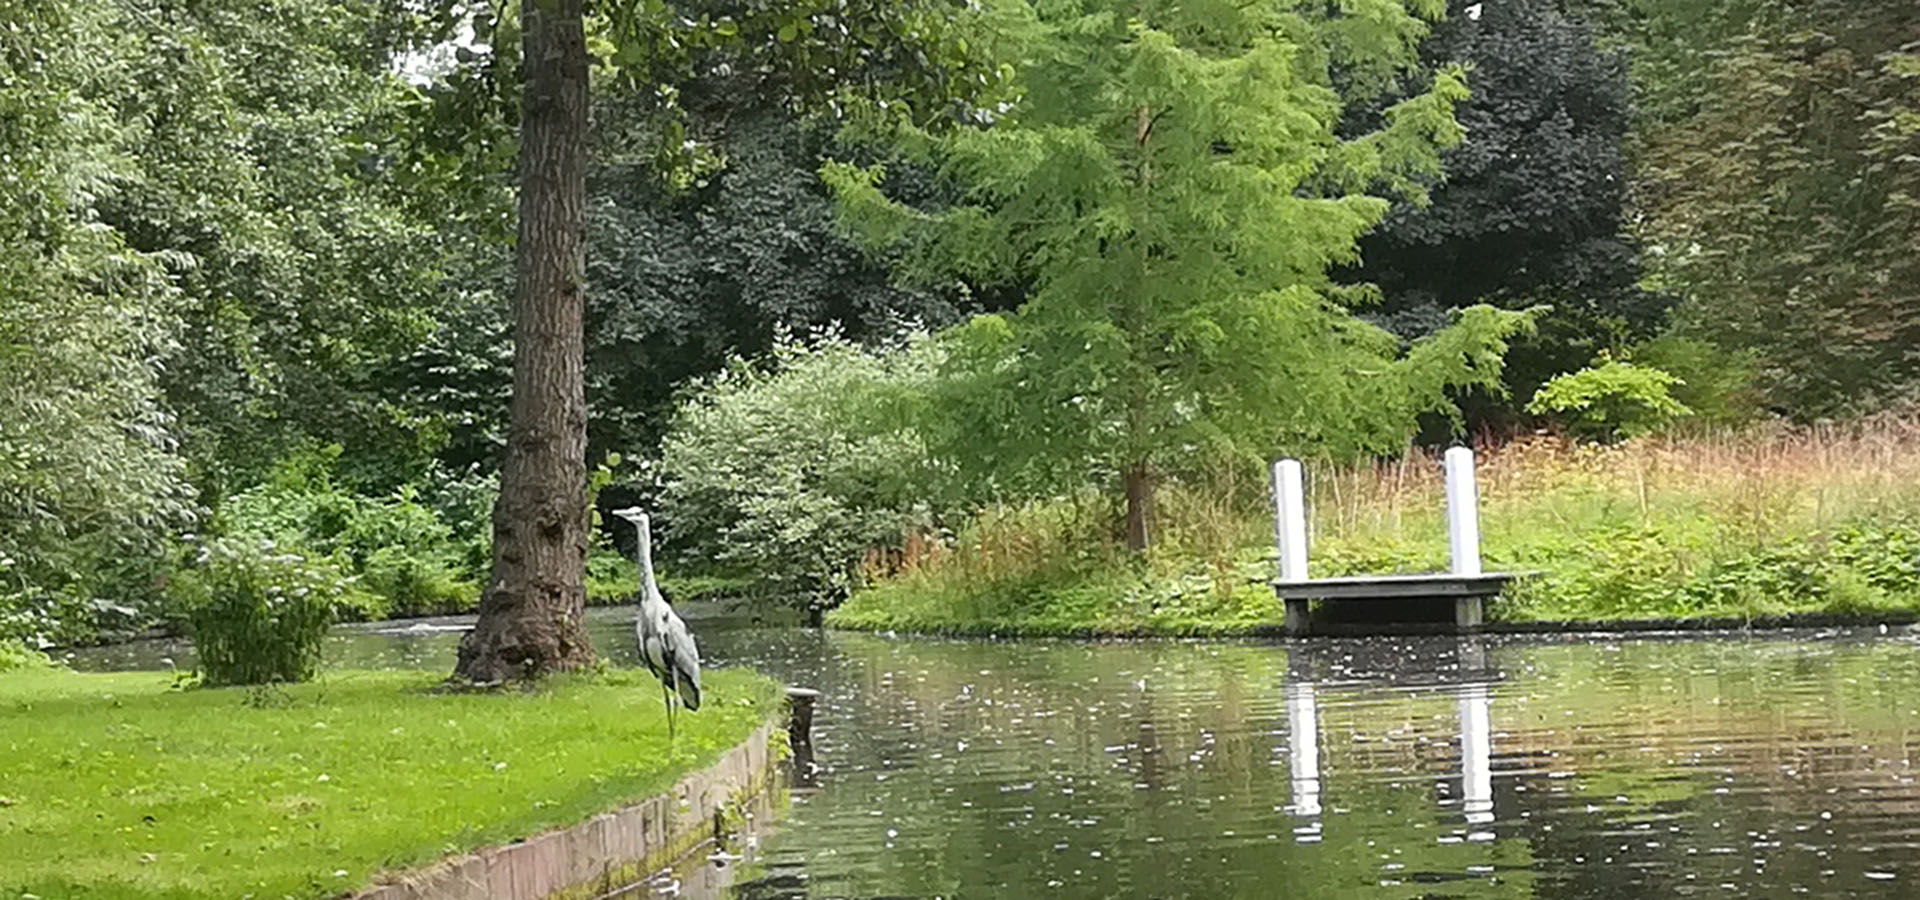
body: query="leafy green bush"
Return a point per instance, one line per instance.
(409, 559)
(410, 584)
(1718, 386)
(17, 655)
(612, 577)
(258, 612)
(1883, 550)
(463, 502)
(1865, 566)
(1610, 401)
(794, 473)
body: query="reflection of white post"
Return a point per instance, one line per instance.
(1463, 512)
(1290, 520)
(1476, 752)
(1303, 749)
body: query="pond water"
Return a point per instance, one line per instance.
(1776, 764)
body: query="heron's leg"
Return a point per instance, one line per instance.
(666, 700)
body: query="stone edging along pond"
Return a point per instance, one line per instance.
(610, 850)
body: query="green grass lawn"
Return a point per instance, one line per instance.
(122, 785)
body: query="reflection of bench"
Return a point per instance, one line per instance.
(1474, 707)
(1465, 585)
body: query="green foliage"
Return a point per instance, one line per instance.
(1866, 567)
(90, 483)
(258, 612)
(1610, 401)
(1172, 182)
(1817, 524)
(682, 280)
(16, 655)
(612, 576)
(793, 471)
(1783, 205)
(910, 56)
(408, 558)
(1883, 551)
(1529, 207)
(1055, 567)
(304, 255)
(1715, 384)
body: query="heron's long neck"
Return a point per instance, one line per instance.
(646, 555)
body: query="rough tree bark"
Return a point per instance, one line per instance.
(531, 616)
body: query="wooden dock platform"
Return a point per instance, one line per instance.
(1467, 592)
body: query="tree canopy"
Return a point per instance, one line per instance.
(1530, 207)
(1785, 209)
(91, 484)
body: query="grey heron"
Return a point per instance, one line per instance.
(666, 646)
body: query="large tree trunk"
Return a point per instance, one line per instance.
(531, 614)
(1139, 488)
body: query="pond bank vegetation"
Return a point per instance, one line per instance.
(1760, 525)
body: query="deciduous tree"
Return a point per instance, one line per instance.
(1784, 208)
(814, 51)
(90, 483)
(531, 613)
(1531, 206)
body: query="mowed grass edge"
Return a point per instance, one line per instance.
(124, 786)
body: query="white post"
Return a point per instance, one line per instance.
(1290, 520)
(1463, 512)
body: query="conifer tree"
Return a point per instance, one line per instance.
(1170, 178)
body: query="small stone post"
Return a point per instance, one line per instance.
(800, 706)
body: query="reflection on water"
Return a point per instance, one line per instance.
(1772, 765)
(1303, 751)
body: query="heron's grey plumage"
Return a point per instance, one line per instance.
(666, 646)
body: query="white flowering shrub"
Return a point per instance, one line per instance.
(791, 470)
(257, 612)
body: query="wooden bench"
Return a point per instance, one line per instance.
(1468, 593)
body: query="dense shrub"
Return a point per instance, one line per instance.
(791, 473)
(91, 483)
(463, 502)
(408, 557)
(1717, 385)
(258, 612)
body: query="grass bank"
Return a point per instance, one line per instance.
(1764, 525)
(125, 786)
